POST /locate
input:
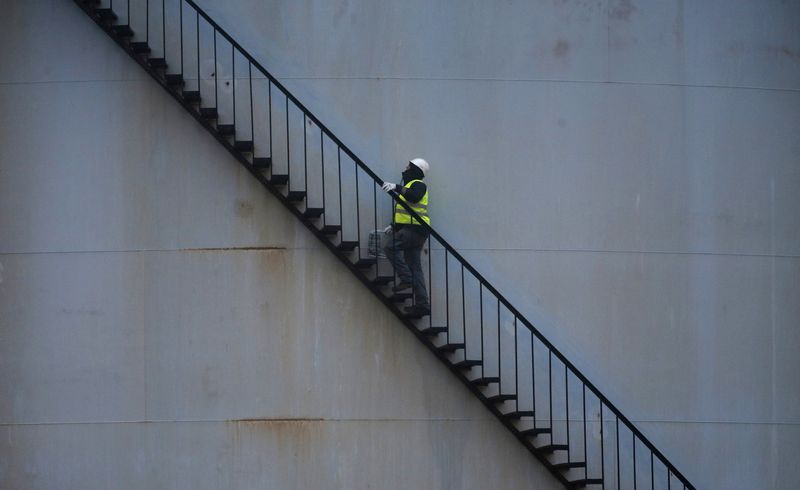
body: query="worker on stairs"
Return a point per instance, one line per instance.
(406, 236)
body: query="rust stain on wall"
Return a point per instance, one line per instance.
(230, 249)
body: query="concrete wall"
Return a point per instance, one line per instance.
(641, 165)
(635, 168)
(165, 323)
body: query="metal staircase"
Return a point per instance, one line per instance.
(535, 392)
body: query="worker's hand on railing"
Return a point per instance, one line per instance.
(389, 187)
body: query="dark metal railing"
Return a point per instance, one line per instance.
(554, 410)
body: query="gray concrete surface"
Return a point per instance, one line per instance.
(640, 160)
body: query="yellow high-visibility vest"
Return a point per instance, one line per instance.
(402, 217)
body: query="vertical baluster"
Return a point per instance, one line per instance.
(252, 124)
(233, 81)
(269, 108)
(216, 76)
(322, 165)
(585, 442)
(516, 365)
(446, 297)
(339, 172)
(602, 448)
(374, 220)
(128, 18)
(463, 313)
(164, 29)
(147, 22)
(499, 358)
(430, 281)
(566, 391)
(358, 211)
(617, 434)
(533, 379)
(550, 390)
(652, 475)
(480, 298)
(197, 33)
(288, 151)
(305, 159)
(633, 439)
(180, 16)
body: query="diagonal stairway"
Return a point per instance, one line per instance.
(535, 392)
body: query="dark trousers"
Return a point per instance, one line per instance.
(403, 249)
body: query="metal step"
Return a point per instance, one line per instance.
(209, 112)
(331, 229)
(551, 448)
(365, 263)
(347, 246)
(140, 48)
(401, 296)
(191, 95)
(569, 466)
(468, 364)
(243, 145)
(104, 14)
(122, 30)
(262, 162)
(313, 213)
(432, 331)
(451, 347)
(383, 280)
(535, 432)
(296, 196)
(485, 381)
(174, 79)
(501, 398)
(279, 179)
(519, 414)
(415, 316)
(157, 63)
(585, 482)
(226, 129)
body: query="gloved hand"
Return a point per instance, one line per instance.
(387, 229)
(388, 186)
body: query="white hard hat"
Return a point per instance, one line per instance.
(421, 164)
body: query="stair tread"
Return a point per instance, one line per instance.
(366, 262)
(535, 432)
(226, 129)
(174, 79)
(313, 212)
(570, 465)
(501, 398)
(519, 414)
(296, 196)
(279, 179)
(209, 112)
(157, 62)
(243, 145)
(433, 330)
(451, 347)
(262, 162)
(485, 381)
(401, 296)
(383, 280)
(105, 14)
(191, 95)
(468, 363)
(122, 30)
(331, 229)
(140, 47)
(347, 245)
(585, 482)
(550, 448)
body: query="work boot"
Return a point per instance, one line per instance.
(401, 287)
(418, 310)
